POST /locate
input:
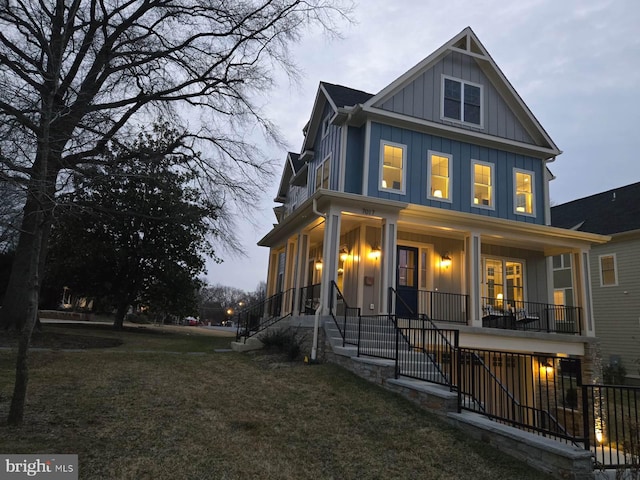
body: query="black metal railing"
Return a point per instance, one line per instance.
(378, 336)
(309, 299)
(531, 316)
(536, 393)
(432, 353)
(444, 307)
(344, 316)
(612, 420)
(256, 317)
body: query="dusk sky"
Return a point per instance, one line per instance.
(576, 64)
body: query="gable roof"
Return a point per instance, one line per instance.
(466, 42)
(342, 96)
(606, 213)
(292, 166)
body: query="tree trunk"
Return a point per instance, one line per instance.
(16, 410)
(121, 312)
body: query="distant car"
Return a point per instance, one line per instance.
(192, 322)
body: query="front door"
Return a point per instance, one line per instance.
(407, 282)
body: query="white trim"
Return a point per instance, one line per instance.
(403, 187)
(492, 205)
(343, 157)
(461, 120)
(615, 269)
(449, 199)
(533, 192)
(367, 154)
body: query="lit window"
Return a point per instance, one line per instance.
(482, 185)
(461, 101)
(523, 182)
(608, 274)
(439, 176)
(322, 174)
(392, 175)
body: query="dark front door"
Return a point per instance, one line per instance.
(407, 282)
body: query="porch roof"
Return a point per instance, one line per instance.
(551, 240)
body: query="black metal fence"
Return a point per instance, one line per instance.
(612, 421)
(531, 316)
(377, 336)
(309, 299)
(444, 307)
(536, 393)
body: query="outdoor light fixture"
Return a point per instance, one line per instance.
(319, 264)
(445, 261)
(375, 253)
(546, 368)
(344, 254)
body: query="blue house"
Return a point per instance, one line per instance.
(437, 187)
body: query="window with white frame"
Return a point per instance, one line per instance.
(523, 202)
(326, 122)
(323, 172)
(392, 167)
(461, 101)
(439, 176)
(608, 270)
(482, 194)
(503, 281)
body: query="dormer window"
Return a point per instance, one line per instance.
(461, 101)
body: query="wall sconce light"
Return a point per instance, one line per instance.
(344, 253)
(445, 261)
(319, 264)
(546, 368)
(375, 253)
(340, 271)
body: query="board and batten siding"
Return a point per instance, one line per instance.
(616, 309)
(418, 144)
(422, 98)
(355, 160)
(328, 144)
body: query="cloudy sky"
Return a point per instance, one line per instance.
(575, 63)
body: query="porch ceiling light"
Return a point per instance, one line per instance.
(445, 261)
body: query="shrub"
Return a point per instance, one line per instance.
(614, 374)
(283, 340)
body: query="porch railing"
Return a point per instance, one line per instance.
(309, 299)
(256, 317)
(345, 317)
(530, 392)
(444, 307)
(531, 316)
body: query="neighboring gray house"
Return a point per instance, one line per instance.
(615, 270)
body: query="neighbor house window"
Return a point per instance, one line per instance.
(322, 174)
(392, 173)
(461, 101)
(608, 273)
(482, 184)
(439, 176)
(523, 194)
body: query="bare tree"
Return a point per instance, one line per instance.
(79, 75)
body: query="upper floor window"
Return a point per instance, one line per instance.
(482, 184)
(392, 171)
(461, 101)
(608, 271)
(326, 121)
(439, 176)
(322, 174)
(523, 192)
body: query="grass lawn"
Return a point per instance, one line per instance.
(139, 410)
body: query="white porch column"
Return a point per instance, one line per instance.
(473, 246)
(582, 290)
(272, 273)
(388, 260)
(330, 247)
(302, 254)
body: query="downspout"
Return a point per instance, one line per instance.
(316, 322)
